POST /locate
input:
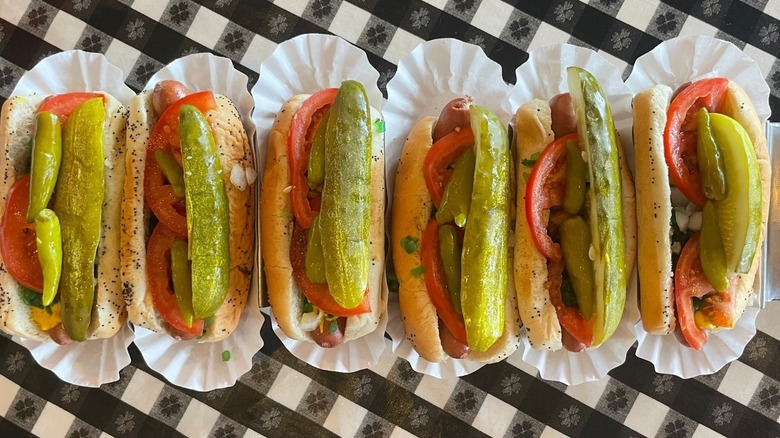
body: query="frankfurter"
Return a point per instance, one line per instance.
(575, 238)
(703, 182)
(63, 170)
(187, 213)
(322, 220)
(450, 236)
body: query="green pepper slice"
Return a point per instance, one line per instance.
(485, 246)
(574, 194)
(46, 158)
(181, 274)
(78, 202)
(345, 214)
(575, 244)
(456, 200)
(315, 261)
(207, 213)
(739, 213)
(315, 174)
(450, 251)
(712, 255)
(48, 242)
(596, 132)
(710, 160)
(172, 171)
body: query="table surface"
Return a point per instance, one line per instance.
(282, 396)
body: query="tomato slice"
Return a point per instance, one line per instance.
(437, 165)
(689, 283)
(570, 317)
(63, 104)
(545, 189)
(435, 282)
(165, 135)
(297, 155)
(317, 294)
(158, 274)
(17, 238)
(680, 134)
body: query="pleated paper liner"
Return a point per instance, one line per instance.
(673, 63)
(91, 363)
(305, 65)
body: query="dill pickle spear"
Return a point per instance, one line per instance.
(315, 262)
(345, 214)
(78, 203)
(596, 132)
(484, 270)
(574, 195)
(207, 213)
(710, 160)
(315, 174)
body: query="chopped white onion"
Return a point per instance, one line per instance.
(682, 217)
(311, 320)
(251, 175)
(238, 177)
(678, 199)
(695, 222)
(676, 247)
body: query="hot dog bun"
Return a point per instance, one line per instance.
(108, 312)
(654, 206)
(533, 132)
(412, 208)
(235, 153)
(276, 222)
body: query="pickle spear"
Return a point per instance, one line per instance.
(485, 245)
(207, 213)
(345, 214)
(596, 131)
(78, 203)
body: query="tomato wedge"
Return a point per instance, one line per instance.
(158, 274)
(680, 134)
(436, 283)
(17, 238)
(64, 104)
(165, 135)
(297, 155)
(317, 294)
(545, 190)
(437, 165)
(689, 283)
(570, 317)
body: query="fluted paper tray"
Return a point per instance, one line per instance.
(769, 273)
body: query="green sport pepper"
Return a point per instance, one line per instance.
(315, 175)
(485, 246)
(713, 257)
(574, 195)
(575, 243)
(456, 200)
(450, 251)
(710, 160)
(315, 261)
(172, 170)
(45, 166)
(207, 213)
(78, 202)
(48, 242)
(181, 274)
(596, 131)
(345, 214)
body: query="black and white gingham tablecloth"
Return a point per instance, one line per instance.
(284, 397)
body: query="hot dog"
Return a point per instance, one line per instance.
(703, 200)
(323, 215)
(187, 213)
(63, 170)
(450, 236)
(575, 238)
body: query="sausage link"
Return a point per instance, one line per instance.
(564, 122)
(455, 114)
(449, 344)
(165, 93)
(679, 89)
(570, 343)
(326, 338)
(178, 334)
(59, 335)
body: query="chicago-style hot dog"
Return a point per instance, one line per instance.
(703, 178)
(575, 238)
(450, 235)
(187, 213)
(63, 170)
(323, 214)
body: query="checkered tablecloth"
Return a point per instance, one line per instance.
(284, 397)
